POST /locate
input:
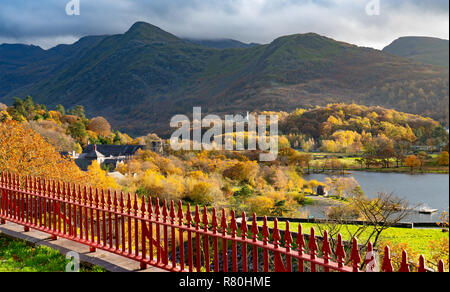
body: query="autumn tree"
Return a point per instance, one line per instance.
(78, 111)
(100, 126)
(412, 161)
(98, 177)
(422, 156)
(60, 108)
(308, 145)
(78, 131)
(443, 159)
(242, 172)
(24, 152)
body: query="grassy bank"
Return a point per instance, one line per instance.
(352, 163)
(20, 256)
(418, 240)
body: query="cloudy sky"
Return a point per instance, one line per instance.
(45, 22)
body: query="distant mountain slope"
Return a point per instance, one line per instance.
(140, 79)
(21, 66)
(432, 51)
(221, 43)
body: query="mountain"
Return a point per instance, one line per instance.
(22, 66)
(221, 44)
(432, 51)
(140, 79)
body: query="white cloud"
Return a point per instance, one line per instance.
(246, 20)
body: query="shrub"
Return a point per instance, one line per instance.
(242, 172)
(204, 193)
(443, 159)
(260, 205)
(174, 188)
(440, 251)
(245, 191)
(397, 252)
(100, 126)
(153, 183)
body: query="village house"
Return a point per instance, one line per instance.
(108, 156)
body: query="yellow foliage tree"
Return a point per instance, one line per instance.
(24, 152)
(98, 177)
(260, 205)
(443, 159)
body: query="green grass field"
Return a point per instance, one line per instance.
(417, 239)
(352, 163)
(19, 256)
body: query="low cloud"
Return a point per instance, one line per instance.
(45, 22)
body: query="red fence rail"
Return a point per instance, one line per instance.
(173, 238)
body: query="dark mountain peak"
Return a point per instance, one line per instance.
(418, 38)
(307, 47)
(144, 30)
(20, 48)
(19, 51)
(428, 50)
(309, 40)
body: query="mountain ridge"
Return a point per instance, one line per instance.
(141, 78)
(429, 50)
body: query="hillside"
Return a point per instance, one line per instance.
(221, 44)
(140, 79)
(66, 131)
(351, 128)
(432, 51)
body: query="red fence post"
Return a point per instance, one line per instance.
(189, 226)
(404, 267)
(255, 232)
(326, 250)
(312, 246)
(214, 224)
(180, 234)
(206, 239)
(265, 239)
(234, 227)
(355, 257)
(143, 265)
(300, 248)
(422, 268)
(340, 252)
(387, 261)
(173, 239)
(224, 227)
(27, 204)
(279, 266)
(244, 230)
(288, 245)
(197, 239)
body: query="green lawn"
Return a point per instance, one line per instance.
(417, 239)
(19, 256)
(352, 163)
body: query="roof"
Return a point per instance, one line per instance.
(112, 150)
(93, 154)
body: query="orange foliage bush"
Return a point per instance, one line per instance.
(24, 152)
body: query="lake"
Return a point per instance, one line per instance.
(431, 190)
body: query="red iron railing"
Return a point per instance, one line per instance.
(172, 238)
